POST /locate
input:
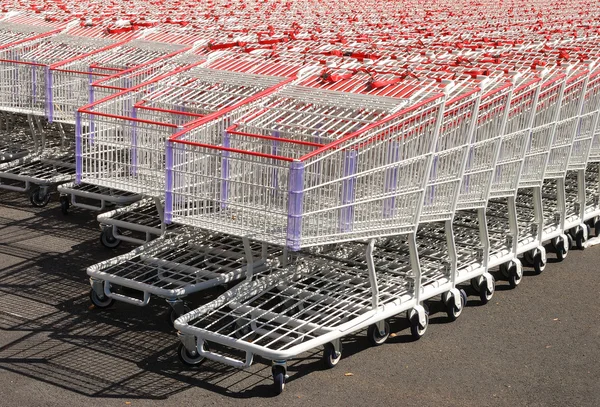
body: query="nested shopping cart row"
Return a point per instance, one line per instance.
(254, 320)
(521, 112)
(342, 178)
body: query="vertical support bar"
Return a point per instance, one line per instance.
(372, 275)
(249, 258)
(90, 81)
(275, 170)
(295, 198)
(451, 246)
(484, 237)
(168, 217)
(49, 100)
(78, 148)
(391, 180)
(414, 264)
(348, 191)
(561, 203)
(134, 142)
(513, 224)
(34, 82)
(538, 212)
(225, 169)
(581, 193)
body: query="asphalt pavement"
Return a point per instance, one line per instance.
(537, 345)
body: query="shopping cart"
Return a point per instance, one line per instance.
(330, 170)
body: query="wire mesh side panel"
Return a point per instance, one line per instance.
(588, 122)
(116, 150)
(291, 192)
(460, 117)
(484, 148)
(132, 77)
(515, 138)
(568, 120)
(21, 28)
(539, 145)
(594, 103)
(25, 70)
(71, 83)
(137, 124)
(69, 90)
(22, 85)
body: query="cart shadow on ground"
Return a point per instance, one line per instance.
(51, 333)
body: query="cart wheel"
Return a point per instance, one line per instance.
(108, 240)
(64, 205)
(538, 264)
(187, 358)
(484, 293)
(528, 257)
(173, 315)
(330, 356)
(562, 249)
(98, 302)
(514, 278)
(453, 309)
(278, 379)
(579, 239)
(588, 229)
(376, 338)
(475, 284)
(38, 198)
(504, 270)
(409, 313)
(243, 329)
(416, 330)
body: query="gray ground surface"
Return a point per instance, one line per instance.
(535, 346)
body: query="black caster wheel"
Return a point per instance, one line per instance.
(409, 313)
(486, 294)
(188, 358)
(529, 257)
(377, 337)
(278, 379)
(539, 265)
(173, 315)
(108, 239)
(100, 302)
(514, 277)
(64, 205)
(562, 249)
(454, 309)
(579, 240)
(243, 329)
(330, 356)
(475, 284)
(416, 330)
(38, 198)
